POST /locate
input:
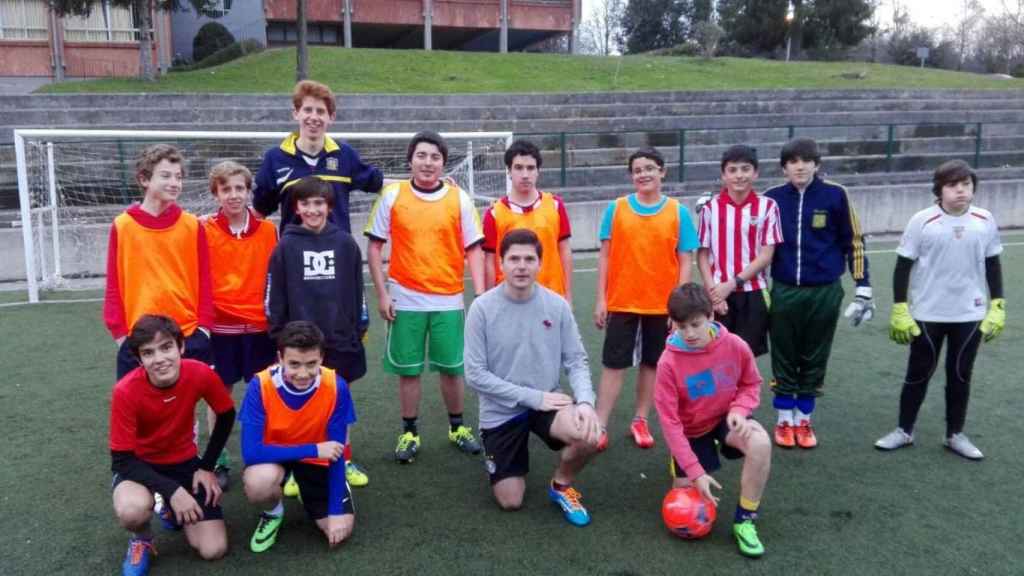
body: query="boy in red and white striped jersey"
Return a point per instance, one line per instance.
(738, 232)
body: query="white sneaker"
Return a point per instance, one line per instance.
(895, 439)
(962, 445)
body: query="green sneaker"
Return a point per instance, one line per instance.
(408, 446)
(223, 470)
(291, 487)
(747, 540)
(355, 475)
(266, 532)
(463, 438)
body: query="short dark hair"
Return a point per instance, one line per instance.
(312, 187)
(951, 172)
(301, 335)
(649, 153)
(739, 154)
(687, 301)
(430, 137)
(148, 327)
(520, 236)
(522, 148)
(802, 148)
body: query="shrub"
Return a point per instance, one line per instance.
(212, 37)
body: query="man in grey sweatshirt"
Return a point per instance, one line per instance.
(519, 336)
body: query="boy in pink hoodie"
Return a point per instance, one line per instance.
(706, 388)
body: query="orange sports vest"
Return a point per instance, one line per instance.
(643, 259)
(427, 254)
(307, 425)
(545, 222)
(158, 270)
(238, 269)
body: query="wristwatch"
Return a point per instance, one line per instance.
(739, 281)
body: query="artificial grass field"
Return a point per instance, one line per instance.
(843, 508)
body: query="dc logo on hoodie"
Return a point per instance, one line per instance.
(318, 265)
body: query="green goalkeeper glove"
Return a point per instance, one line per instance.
(994, 321)
(902, 328)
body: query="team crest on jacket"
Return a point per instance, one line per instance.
(318, 265)
(958, 232)
(332, 164)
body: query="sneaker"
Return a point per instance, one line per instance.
(747, 540)
(408, 446)
(291, 487)
(136, 560)
(223, 470)
(569, 501)
(602, 442)
(784, 436)
(165, 514)
(463, 438)
(355, 475)
(804, 434)
(641, 434)
(266, 532)
(963, 446)
(895, 439)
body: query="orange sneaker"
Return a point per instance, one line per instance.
(602, 443)
(641, 434)
(784, 436)
(805, 437)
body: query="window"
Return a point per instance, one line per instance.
(216, 8)
(23, 20)
(104, 23)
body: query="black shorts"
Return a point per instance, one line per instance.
(314, 488)
(240, 356)
(748, 319)
(350, 365)
(197, 347)
(506, 447)
(630, 338)
(182, 474)
(707, 447)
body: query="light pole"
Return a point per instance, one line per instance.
(789, 30)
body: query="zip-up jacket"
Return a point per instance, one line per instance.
(821, 236)
(317, 277)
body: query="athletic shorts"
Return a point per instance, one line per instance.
(240, 356)
(748, 318)
(631, 338)
(197, 347)
(182, 474)
(506, 447)
(406, 345)
(350, 365)
(707, 448)
(314, 489)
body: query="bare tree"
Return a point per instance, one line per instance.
(301, 45)
(600, 31)
(970, 16)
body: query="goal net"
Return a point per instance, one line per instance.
(72, 183)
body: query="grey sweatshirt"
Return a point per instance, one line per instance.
(515, 351)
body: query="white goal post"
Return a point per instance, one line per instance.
(71, 183)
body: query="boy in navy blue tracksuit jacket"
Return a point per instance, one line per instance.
(316, 274)
(822, 237)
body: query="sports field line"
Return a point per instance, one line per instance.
(369, 285)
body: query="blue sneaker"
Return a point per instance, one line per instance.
(136, 560)
(569, 501)
(165, 514)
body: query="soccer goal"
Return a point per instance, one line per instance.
(72, 183)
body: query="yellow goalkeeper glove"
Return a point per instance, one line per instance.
(902, 328)
(994, 321)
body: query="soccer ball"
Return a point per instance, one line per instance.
(687, 514)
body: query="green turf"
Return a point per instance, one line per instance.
(841, 509)
(416, 71)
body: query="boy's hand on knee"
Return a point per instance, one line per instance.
(330, 450)
(186, 509)
(208, 480)
(588, 424)
(555, 401)
(738, 424)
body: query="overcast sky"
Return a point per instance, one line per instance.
(930, 13)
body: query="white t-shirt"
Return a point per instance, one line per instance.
(947, 282)
(379, 226)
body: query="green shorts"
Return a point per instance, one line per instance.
(406, 344)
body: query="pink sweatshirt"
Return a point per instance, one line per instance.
(697, 387)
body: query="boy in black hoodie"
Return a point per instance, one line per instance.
(316, 274)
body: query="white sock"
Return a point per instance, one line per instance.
(801, 417)
(785, 417)
(276, 510)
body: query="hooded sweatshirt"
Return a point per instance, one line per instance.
(317, 277)
(696, 387)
